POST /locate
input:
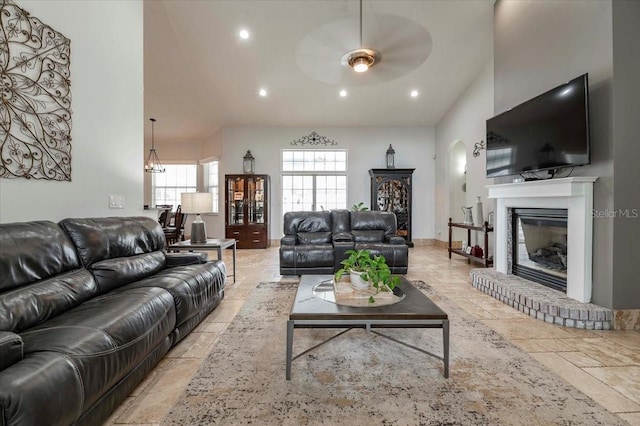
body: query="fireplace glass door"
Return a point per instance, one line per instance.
(540, 246)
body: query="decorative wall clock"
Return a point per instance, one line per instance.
(35, 97)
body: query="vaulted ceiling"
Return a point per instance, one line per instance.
(200, 76)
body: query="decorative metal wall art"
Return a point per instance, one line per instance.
(315, 139)
(35, 97)
(477, 147)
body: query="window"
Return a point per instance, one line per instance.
(211, 173)
(314, 180)
(168, 186)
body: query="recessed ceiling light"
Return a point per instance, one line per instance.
(414, 93)
(263, 92)
(343, 93)
(244, 34)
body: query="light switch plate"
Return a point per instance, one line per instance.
(115, 201)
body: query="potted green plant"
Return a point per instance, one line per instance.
(365, 271)
(355, 265)
(360, 207)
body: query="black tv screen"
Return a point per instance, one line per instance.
(548, 132)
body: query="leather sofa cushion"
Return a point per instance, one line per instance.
(312, 255)
(368, 236)
(192, 286)
(295, 222)
(395, 255)
(10, 349)
(314, 237)
(107, 336)
(374, 220)
(113, 273)
(98, 239)
(23, 257)
(340, 221)
(43, 388)
(35, 303)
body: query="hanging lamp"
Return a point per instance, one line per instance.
(361, 59)
(153, 164)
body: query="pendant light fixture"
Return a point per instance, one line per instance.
(361, 59)
(153, 164)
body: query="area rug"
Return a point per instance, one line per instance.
(360, 378)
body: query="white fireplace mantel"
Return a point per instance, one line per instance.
(574, 194)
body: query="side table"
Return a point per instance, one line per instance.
(216, 244)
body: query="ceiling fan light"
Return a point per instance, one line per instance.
(360, 65)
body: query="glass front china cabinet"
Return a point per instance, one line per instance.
(247, 210)
(391, 191)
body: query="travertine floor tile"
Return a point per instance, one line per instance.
(632, 418)
(527, 328)
(543, 345)
(195, 345)
(165, 390)
(579, 359)
(625, 380)
(587, 384)
(226, 311)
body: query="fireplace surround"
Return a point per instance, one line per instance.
(575, 194)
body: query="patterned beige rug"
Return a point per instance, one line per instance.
(363, 379)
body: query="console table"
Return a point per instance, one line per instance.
(212, 244)
(485, 259)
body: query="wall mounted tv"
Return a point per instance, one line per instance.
(548, 132)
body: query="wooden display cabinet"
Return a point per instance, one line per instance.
(391, 191)
(247, 210)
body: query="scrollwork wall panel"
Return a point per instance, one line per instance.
(35, 108)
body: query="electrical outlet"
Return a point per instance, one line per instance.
(115, 201)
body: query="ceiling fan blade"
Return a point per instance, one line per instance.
(403, 44)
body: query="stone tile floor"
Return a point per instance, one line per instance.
(605, 365)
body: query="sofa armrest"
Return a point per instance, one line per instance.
(288, 240)
(11, 349)
(342, 237)
(184, 259)
(395, 240)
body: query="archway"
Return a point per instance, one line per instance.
(457, 186)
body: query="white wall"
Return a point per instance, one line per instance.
(366, 146)
(465, 121)
(107, 103)
(539, 45)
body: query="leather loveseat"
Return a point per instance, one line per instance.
(316, 242)
(87, 308)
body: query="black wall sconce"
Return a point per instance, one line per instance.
(477, 147)
(248, 163)
(390, 158)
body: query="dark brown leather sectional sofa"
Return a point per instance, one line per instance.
(87, 308)
(316, 242)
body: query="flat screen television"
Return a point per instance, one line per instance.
(548, 132)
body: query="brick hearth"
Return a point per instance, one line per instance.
(541, 302)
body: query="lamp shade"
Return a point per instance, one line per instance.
(196, 202)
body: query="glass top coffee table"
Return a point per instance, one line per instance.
(312, 309)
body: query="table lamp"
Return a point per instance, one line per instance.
(197, 202)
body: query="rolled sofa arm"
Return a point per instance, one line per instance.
(288, 240)
(184, 259)
(396, 241)
(11, 349)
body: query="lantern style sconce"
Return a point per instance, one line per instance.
(390, 160)
(248, 163)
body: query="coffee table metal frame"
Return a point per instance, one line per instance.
(216, 244)
(400, 315)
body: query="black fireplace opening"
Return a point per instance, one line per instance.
(539, 246)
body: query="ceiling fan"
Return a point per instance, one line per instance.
(403, 43)
(361, 59)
